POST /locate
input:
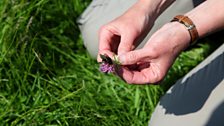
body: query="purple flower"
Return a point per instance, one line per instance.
(106, 67)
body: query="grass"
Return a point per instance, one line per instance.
(48, 78)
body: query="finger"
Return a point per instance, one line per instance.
(105, 40)
(126, 44)
(133, 77)
(146, 76)
(105, 52)
(133, 57)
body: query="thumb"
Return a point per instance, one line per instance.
(132, 57)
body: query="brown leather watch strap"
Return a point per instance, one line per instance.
(189, 25)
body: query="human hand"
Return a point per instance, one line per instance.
(126, 32)
(151, 63)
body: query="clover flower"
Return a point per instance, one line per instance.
(106, 68)
(108, 65)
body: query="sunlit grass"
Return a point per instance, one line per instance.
(47, 77)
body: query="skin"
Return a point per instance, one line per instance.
(151, 63)
(124, 33)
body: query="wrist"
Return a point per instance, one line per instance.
(181, 36)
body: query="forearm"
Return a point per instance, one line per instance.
(154, 7)
(208, 17)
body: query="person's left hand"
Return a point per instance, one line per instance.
(125, 33)
(151, 63)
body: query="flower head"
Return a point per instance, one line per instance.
(108, 65)
(106, 68)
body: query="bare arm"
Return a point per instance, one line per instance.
(208, 17)
(154, 7)
(125, 32)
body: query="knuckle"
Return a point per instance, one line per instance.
(154, 76)
(129, 81)
(157, 78)
(154, 51)
(102, 29)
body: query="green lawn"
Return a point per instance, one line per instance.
(48, 78)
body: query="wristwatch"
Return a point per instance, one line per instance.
(188, 23)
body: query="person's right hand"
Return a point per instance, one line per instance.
(151, 63)
(126, 32)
